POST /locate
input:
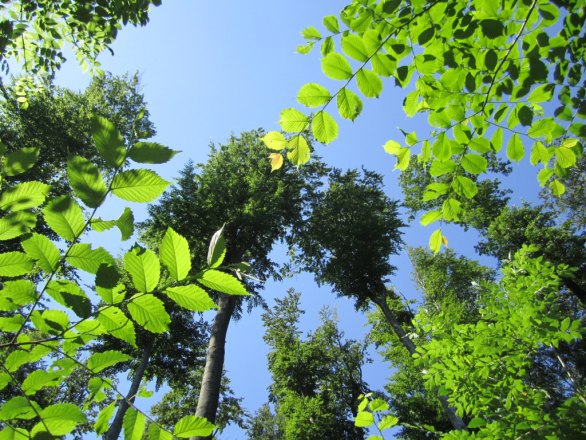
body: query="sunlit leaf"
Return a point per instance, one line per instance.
(336, 66)
(99, 361)
(43, 251)
(23, 196)
(108, 141)
(298, 150)
(174, 254)
(19, 161)
(313, 95)
(221, 282)
(293, 121)
(151, 152)
(65, 217)
(138, 185)
(349, 104)
(274, 140)
(324, 127)
(149, 312)
(190, 426)
(86, 180)
(143, 267)
(134, 424)
(191, 297)
(217, 249)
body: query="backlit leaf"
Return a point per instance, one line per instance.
(274, 140)
(99, 361)
(108, 141)
(217, 249)
(331, 24)
(69, 294)
(557, 187)
(298, 150)
(43, 251)
(65, 217)
(464, 186)
(174, 254)
(19, 161)
(474, 163)
(149, 312)
(515, 149)
(354, 47)
(82, 256)
(86, 180)
(62, 418)
(151, 152)
(103, 421)
(324, 127)
(335, 66)
(430, 217)
(349, 104)
(435, 241)
(117, 324)
(23, 196)
(313, 95)
(190, 426)
(293, 121)
(221, 282)
(143, 267)
(134, 424)
(191, 297)
(276, 161)
(14, 224)
(14, 264)
(369, 83)
(138, 185)
(364, 419)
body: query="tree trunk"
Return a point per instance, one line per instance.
(209, 394)
(116, 427)
(456, 421)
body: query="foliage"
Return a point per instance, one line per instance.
(35, 32)
(54, 319)
(484, 366)
(485, 74)
(316, 380)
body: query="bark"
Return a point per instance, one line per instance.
(456, 421)
(209, 396)
(116, 427)
(576, 289)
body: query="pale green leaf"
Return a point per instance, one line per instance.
(43, 251)
(69, 294)
(451, 209)
(293, 121)
(274, 140)
(14, 224)
(217, 249)
(221, 282)
(369, 83)
(62, 418)
(435, 241)
(515, 149)
(65, 217)
(103, 421)
(313, 95)
(480, 145)
(82, 256)
(497, 140)
(385, 65)
(117, 324)
(20, 292)
(392, 147)
(23, 196)
(557, 187)
(364, 419)
(151, 152)
(298, 150)
(190, 426)
(354, 47)
(430, 217)
(335, 66)
(14, 264)
(11, 324)
(138, 185)
(144, 268)
(114, 295)
(474, 163)
(174, 254)
(349, 104)
(158, 433)
(86, 180)
(565, 157)
(99, 361)
(403, 158)
(311, 33)
(378, 404)
(544, 175)
(19, 407)
(38, 379)
(465, 186)
(388, 422)
(540, 153)
(324, 127)
(191, 297)
(134, 424)
(331, 24)
(149, 312)
(108, 141)
(19, 161)
(439, 168)
(476, 422)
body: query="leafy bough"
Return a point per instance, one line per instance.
(36, 328)
(485, 75)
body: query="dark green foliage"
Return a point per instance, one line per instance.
(351, 233)
(316, 380)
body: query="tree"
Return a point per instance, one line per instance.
(235, 189)
(316, 381)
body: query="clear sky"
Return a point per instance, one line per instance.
(213, 68)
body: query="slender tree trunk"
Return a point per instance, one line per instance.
(575, 288)
(456, 421)
(116, 427)
(209, 394)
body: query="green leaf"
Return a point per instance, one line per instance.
(19, 407)
(23, 196)
(378, 405)
(125, 224)
(327, 46)
(151, 152)
(539, 153)
(293, 121)
(216, 249)
(464, 187)
(557, 188)
(138, 185)
(19, 161)
(62, 418)
(149, 312)
(392, 147)
(14, 264)
(425, 36)
(274, 140)
(331, 24)
(69, 294)
(476, 422)
(434, 190)
(117, 324)
(174, 254)
(298, 150)
(15, 224)
(113, 295)
(144, 268)
(11, 324)
(43, 251)
(369, 83)
(451, 209)
(65, 217)
(474, 163)
(311, 33)
(190, 426)
(313, 95)
(39, 379)
(191, 297)
(496, 141)
(435, 241)
(480, 145)
(354, 47)
(103, 421)
(349, 104)
(388, 422)
(439, 168)
(221, 282)
(324, 127)
(99, 361)
(51, 321)
(82, 256)
(335, 66)
(20, 292)
(158, 433)
(403, 158)
(385, 65)
(364, 419)
(544, 175)
(565, 157)
(543, 93)
(430, 217)
(441, 148)
(134, 424)
(108, 141)
(515, 149)
(86, 180)
(492, 28)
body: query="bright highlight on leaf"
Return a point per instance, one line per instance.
(335, 66)
(274, 140)
(293, 121)
(190, 426)
(298, 150)
(324, 127)
(276, 161)
(313, 95)
(138, 185)
(174, 254)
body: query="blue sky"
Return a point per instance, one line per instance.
(210, 69)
